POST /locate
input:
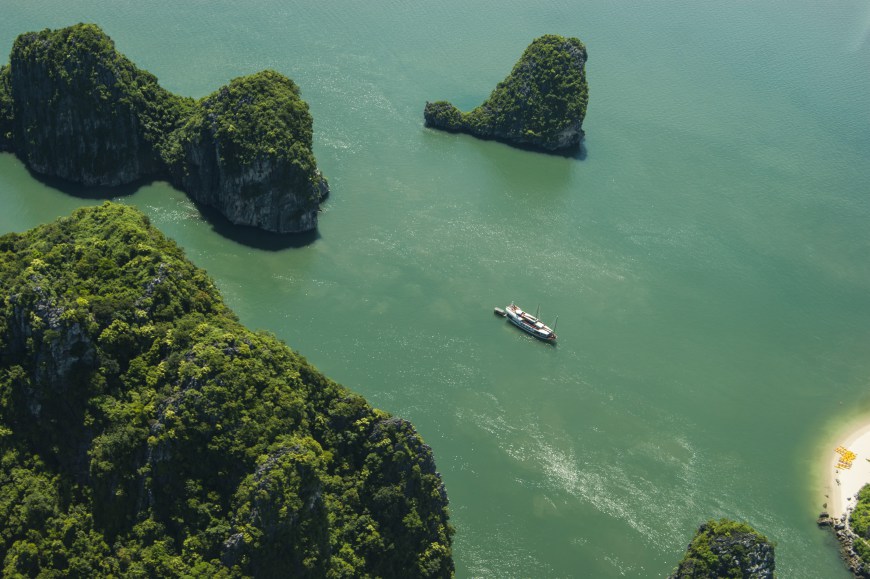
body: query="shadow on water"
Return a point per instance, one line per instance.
(526, 338)
(531, 170)
(242, 234)
(252, 236)
(577, 152)
(89, 191)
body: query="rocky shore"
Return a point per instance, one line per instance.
(842, 531)
(847, 495)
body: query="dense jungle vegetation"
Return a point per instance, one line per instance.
(267, 100)
(144, 432)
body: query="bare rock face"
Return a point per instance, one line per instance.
(541, 104)
(255, 195)
(265, 202)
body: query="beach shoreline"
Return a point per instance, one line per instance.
(847, 471)
(842, 484)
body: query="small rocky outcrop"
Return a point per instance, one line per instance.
(73, 107)
(824, 520)
(727, 549)
(540, 105)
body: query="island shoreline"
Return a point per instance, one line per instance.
(841, 485)
(851, 444)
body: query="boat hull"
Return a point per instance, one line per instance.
(529, 324)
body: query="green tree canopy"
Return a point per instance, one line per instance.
(541, 103)
(145, 432)
(727, 549)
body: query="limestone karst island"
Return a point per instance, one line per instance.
(540, 105)
(254, 258)
(144, 432)
(73, 107)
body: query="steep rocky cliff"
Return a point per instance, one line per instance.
(84, 112)
(73, 107)
(541, 104)
(5, 109)
(144, 432)
(727, 549)
(247, 152)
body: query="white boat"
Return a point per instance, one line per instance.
(529, 323)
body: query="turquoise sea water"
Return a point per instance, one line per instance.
(707, 255)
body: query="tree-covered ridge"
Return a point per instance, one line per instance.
(541, 103)
(145, 432)
(78, 109)
(727, 549)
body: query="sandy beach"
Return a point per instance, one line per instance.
(844, 483)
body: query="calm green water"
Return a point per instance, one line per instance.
(707, 257)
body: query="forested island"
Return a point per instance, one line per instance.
(145, 432)
(726, 548)
(73, 107)
(541, 104)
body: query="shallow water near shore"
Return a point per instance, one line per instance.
(707, 256)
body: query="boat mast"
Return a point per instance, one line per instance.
(556, 322)
(538, 312)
